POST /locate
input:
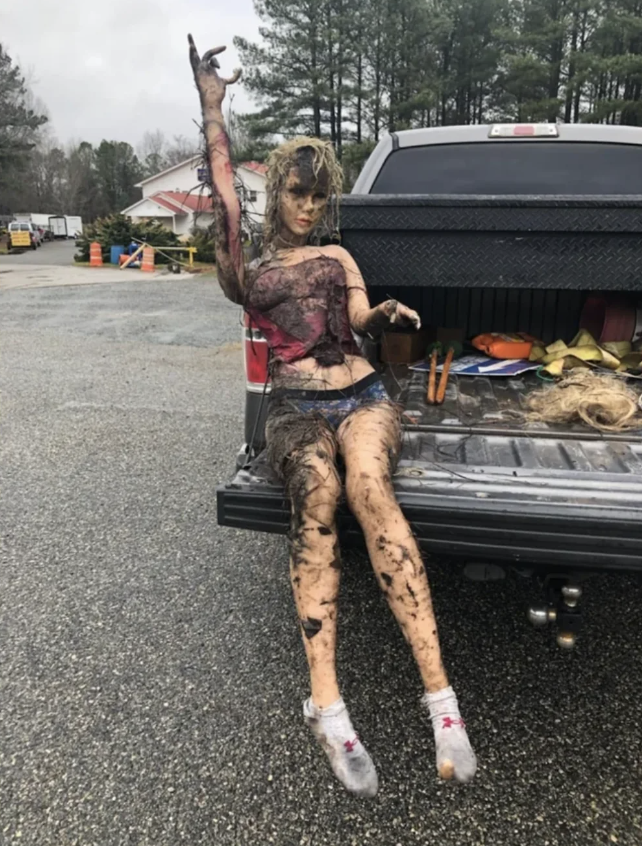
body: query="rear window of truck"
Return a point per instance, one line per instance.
(513, 167)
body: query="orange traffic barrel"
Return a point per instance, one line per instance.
(95, 255)
(148, 260)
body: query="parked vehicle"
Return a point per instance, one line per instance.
(37, 228)
(58, 225)
(23, 235)
(491, 229)
(39, 220)
(74, 225)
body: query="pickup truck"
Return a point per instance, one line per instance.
(504, 228)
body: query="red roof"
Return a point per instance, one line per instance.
(256, 166)
(166, 203)
(181, 202)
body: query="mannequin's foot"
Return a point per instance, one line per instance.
(455, 756)
(348, 758)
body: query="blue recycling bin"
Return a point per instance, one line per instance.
(116, 252)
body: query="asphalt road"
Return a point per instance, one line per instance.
(151, 674)
(51, 252)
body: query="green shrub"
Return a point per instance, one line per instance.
(118, 230)
(203, 240)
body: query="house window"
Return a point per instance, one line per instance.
(253, 196)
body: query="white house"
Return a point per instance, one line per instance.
(178, 198)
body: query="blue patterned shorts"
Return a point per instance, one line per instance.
(335, 405)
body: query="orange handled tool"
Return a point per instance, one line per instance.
(432, 377)
(441, 390)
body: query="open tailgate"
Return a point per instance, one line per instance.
(494, 487)
(515, 497)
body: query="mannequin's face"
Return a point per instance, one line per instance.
(303, 202)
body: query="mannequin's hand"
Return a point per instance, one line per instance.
(210, 85)
(401, 315)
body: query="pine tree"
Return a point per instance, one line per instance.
(19, 121)
(117, 172)
(288, 71)
(615, 64)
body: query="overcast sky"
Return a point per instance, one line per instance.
(116, 68)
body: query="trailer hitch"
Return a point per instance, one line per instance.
(561, 611)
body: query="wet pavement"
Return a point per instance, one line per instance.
(151, 674)
(51, 253)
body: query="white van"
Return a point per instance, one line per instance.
(17, 226)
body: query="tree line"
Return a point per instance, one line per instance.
(352, 69)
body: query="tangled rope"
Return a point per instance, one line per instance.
(602, 401)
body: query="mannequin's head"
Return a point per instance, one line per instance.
(304, 183)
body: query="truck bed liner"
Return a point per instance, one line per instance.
(489, 404)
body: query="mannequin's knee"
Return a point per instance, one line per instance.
(314, 487)
(369, 491)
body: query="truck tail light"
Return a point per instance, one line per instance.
(255, 355)
(524, 130)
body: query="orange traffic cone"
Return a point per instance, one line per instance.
(148, 260)
(95, 255)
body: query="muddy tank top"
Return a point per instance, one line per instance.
(303, 311)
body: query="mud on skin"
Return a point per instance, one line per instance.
(311, 627)
(303, 480)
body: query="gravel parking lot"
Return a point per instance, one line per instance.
(151, 674)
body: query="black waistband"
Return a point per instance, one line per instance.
(322, 396)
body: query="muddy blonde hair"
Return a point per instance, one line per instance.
(280, 163)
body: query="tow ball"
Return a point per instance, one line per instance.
(562, 611)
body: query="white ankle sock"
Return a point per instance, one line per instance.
(348, 757)
(455, 756)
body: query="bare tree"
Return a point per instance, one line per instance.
(152, 152)
(181, 149)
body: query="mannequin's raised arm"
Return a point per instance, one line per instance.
(227, 210)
